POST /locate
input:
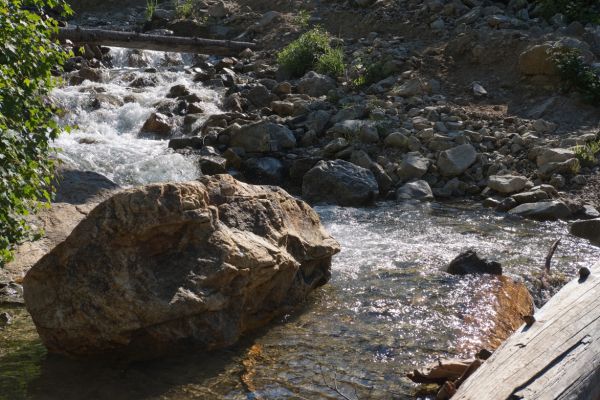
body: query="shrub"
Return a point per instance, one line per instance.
(28, 55)
(302, 18)
(576, 73)
(587, 154)
(150, 9)
(305, 53)
(574, 10)
(332, 62)
(189, 9)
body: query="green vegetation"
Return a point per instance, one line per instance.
(28, 56)
(311, 51)
(332, 62)
(372, 73)
(577, 74)
(575, 10)
(150, 8)
(302, 18)
(188, 9)
(587, 154)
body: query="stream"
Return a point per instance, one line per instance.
(388, 308)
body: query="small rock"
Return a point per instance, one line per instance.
(315, 85)
(212, 164)
(264, 171)
(413, 165)
(158, 124)
(455, 161)
(554, 155)
(178, 91)
(263, 137)
(282, 108)
(396, 139)
(542, 211)
(479, 90)
(417, 190)
(507, 184)
(530, 197)
(5, 319)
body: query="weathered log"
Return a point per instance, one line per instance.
(134, 40)
(556, 357)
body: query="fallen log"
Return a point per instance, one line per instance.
(134, 40)
(556, 357)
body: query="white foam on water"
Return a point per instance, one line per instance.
(107, 140)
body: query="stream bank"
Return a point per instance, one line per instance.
(388, 307)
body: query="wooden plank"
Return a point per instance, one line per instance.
(134, 40)
(558, 357)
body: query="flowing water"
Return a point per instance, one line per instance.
(387, 309)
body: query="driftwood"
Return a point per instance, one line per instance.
(133, 40)
(556, 357)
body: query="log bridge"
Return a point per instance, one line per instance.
(555, 356)
(134, 40)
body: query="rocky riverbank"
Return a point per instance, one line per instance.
(465, 105)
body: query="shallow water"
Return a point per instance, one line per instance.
(387, 309)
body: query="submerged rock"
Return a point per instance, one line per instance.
(174, 263)
(470, 263)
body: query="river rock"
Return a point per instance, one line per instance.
(554, 155)
(413, 165)
(508, 184)
(470, 263)
(167, 264)
(157, 123)
(531, 196)
(455, 161)
(340, 182)
(417, 190)
(587, 229)
(315, 85)
(264, 171)
(263, 137)
(396, 139)
(542, 211)
(212, 164)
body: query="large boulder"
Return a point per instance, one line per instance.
(155, 267)
(263, 137)
(455, 161)
(587, 229)
(537, 60)
(340, 182)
